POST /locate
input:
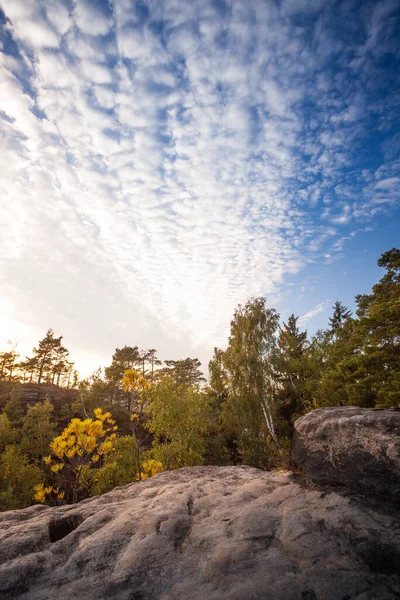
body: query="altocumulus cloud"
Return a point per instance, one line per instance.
(164, 161)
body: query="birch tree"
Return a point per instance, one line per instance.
(249, 408)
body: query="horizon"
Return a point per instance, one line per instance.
(164, 162)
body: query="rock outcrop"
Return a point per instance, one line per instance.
(205, 533)
(355, 447)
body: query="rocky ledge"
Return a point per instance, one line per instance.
(205, 533)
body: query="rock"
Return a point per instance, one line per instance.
(355, 447)
(214, 533)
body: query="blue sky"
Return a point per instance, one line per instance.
(164, 161)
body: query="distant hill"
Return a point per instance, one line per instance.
(33, 392)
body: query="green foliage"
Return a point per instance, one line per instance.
(292, 371)
(341, 315)
(119, 468)
(183, 372)
(334, 354)
(377, 363)
(129, 358)
(178, 419)
(124, 358)
(361, 365)
(38, 430)
(137, 386)
(17, 479)
(8, 435)
(248, 411)
(13, 408)
(218, 377)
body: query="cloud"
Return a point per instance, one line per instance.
(163, 162)
(319, 308)
(59, 17)
(90, 19)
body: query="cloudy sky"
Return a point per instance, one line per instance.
(164, 160)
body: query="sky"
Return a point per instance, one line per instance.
(164, 161)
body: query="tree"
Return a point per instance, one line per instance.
(249, 411)
(341, 314)
(218, 376)
(119, 468)
(18, 479)
(178, 419)
(154, 362)
(7, 364)
(79, 448)
(13, 407)
(221, 444)
(361, 366)
(8, 435)
(334, 355)
(95, 392)
(292, 372)
(38, 429)
(60, 365)
(183, 372)
(376, 366)
(137, 387)
(29, 367)
(48, 353)
(124, 358)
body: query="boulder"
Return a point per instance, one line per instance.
(214, 533)
(358, 448)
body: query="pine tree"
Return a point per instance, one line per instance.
(183, 372)
(48, 351)
(292, 371)
(29, 368)
(8, 361)
(376, 375)
(341, 314)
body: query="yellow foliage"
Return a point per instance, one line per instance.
(57, 467)
(151, 467)
(80, 445)
(133, 381)
(41, 492)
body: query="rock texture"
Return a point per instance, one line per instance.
(355, 447)
(205, 533)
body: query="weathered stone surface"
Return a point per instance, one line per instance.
(205, 533)
(355, 447)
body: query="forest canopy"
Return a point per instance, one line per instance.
(63, 439)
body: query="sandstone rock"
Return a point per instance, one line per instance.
(205, 533)
(355, 447)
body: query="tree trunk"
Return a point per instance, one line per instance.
(41, 369)
(270, 423)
